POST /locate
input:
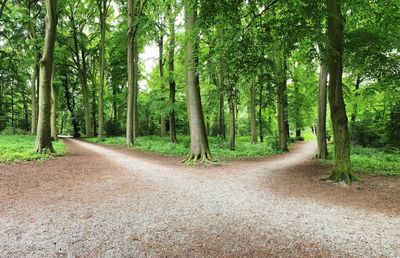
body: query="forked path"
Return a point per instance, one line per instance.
(107, 201)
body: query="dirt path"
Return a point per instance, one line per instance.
(108, 201)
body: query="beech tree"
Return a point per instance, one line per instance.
(336, 23)
(199, 149)
(43, 138)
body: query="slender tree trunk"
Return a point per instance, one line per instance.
(336, 21)
(43, 137)
(103, 16)
(253, 117)
(114, 104)
(321, 127)
(34, 87)
(53, 122)
(163, 124)
(172, 86)
(86, 96)
(221, 122)
(25, 103)
(282, 112)
(357, 94)
(130, 136)
(232, 124)
(94, 108)
(136, 92)
(12, 103)
(260, 119)
(133, 59)
(70, 106)
(199, 149)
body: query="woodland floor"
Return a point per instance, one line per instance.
(110, 201)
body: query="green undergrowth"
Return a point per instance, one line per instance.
(372, 160)
(219, 148)
(15, 148)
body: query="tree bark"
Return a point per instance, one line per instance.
(321, 127)
(70, 106)
(103, 16)
(357, 94)
(282, 108)
(232, 124)
(53, 122)
(172, 85)
(12, 103)
(221, 116)
(336, 21)
(134, 11)
(253, 117)
(43, 137)
(34, 87)
(260, 119)
(86, 96)
(163, 125)
(199, 149)
(130, 136)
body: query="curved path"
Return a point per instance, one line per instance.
(107, 201)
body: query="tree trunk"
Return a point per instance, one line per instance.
(133, 59)
(34, 87)
(103, 16)
(43, 137)
(321, 127)
(94, 108)
(232, 124)
(357, 94)
(282, 112)
(136, 92)
(53, 122)
(86, 96)
(253, 117)
(130, 136)
(221, 122)
(114, 104)
(342, 170)
(172, 85)
(12, 103)
(260, 119)
(199, 149)
(70, 106)
(163, 125)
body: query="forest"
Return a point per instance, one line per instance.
(199, 128)
(229, 75)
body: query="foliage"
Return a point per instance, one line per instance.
(372, 160)
(15, 148)
(218, 146)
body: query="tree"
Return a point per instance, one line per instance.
(283, 128)
(253, 118)
(43, 138)
(135, 11)
(103, 6)
(199, 149)
(336, 21)
(171, 70)
(321, 124)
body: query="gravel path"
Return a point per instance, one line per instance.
(110, 202)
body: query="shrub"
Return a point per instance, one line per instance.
(366, 133)
(393, 127)
(13, 131)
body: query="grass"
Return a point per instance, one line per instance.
(219, 148)
(372, 161)
(14, 148)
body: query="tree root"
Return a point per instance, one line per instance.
(347, 177)
(198, 158)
